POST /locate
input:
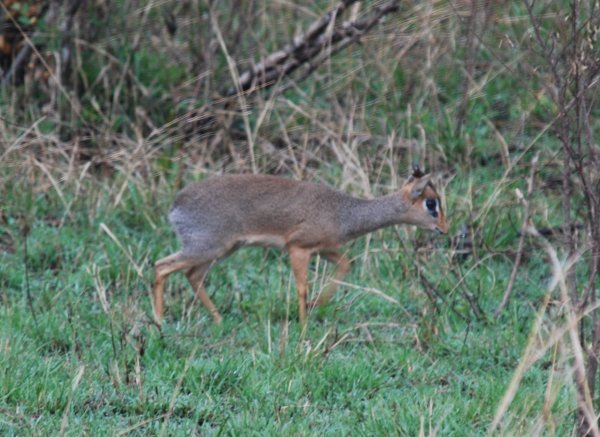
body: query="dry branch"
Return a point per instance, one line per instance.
(324, 38)
(66, 27)
(17, 66)
(51, 12)
(526, 215)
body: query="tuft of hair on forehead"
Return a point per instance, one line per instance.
(417, 172)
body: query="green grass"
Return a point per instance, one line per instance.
(363, 366)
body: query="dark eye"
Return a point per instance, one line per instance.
(432, 207)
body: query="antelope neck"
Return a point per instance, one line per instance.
(362, 216)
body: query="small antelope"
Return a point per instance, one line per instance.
(215, 217)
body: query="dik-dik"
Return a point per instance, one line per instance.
(215, 217)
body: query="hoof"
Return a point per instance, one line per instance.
(153, 321)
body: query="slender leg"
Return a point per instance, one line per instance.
(343, 266)
(163, 268)
(299, 259)
(196, 277)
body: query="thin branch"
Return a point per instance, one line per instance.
(526, 214)
(18, 64)
(322, 40)
(67, 36)
(429, 288)
(307, 52)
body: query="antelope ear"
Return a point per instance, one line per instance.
(419, 185)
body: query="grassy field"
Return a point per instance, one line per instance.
(84, 356)
(409, 346)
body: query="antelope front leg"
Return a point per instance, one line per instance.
(299, 259)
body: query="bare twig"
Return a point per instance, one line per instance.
(430, 289)
(473, 37)
(18, 64)
(472, 300)
(322, 39)
(9, 77)
(22, 57)
(526, 213)
(65, 28)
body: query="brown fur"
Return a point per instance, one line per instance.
(217, 216)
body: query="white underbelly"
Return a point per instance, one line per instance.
(266, 240)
